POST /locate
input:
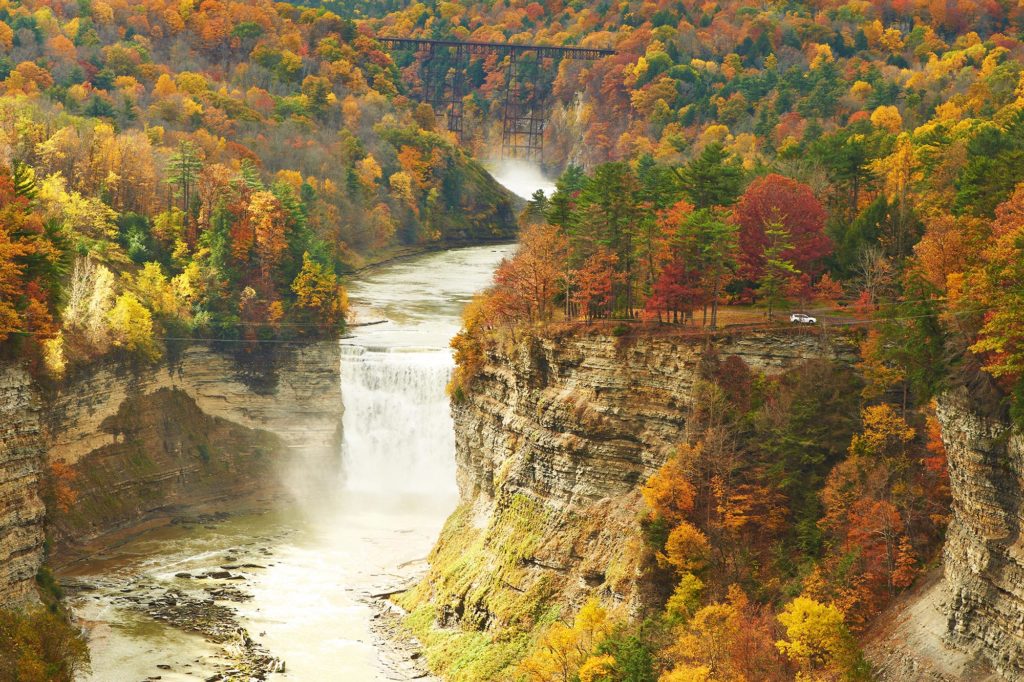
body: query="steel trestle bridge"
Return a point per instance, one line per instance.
(444, 65)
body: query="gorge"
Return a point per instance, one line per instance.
(548, 450)
(279, 397)
(366, 456)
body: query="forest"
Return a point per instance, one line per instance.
(860, 156)
(180, 172)
(858, 161)
(215, 169)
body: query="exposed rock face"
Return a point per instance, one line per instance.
(908, 641)
(134, 443)
(196, 430)
(553, 441)
(298, 403)
(984, 551)
(21, 509)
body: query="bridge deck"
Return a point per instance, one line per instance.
(569, 51)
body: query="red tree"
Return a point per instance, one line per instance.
(791, 204)
(679, 290)
(594, 283)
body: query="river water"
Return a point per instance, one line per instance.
(301, 571)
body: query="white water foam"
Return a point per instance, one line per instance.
(398, 440)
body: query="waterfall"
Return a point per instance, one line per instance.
(520, 177)
(398, 442)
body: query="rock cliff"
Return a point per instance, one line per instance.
(966, 621)
(130, 443)
(553, 440)
(21, 509)
(201, 428)
(984, 551)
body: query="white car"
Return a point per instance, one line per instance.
(800, 318)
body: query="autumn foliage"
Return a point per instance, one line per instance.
(774, 199)
(167, 171)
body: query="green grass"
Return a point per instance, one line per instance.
(473, 620)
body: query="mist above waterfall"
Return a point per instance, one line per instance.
(520, 177)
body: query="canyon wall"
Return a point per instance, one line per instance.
(21, 509)
(125, 444)
(984, 551)
(554, 438)
(205, 427)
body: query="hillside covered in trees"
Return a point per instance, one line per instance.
(175, 171)
(859, 161)
(862, 153)
(211, 169)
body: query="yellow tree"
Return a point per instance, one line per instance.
(563, 651)
(155, 291)
(888, 118)
(131, 326)
(669, 493)
(817, 639)
(727, 641)
(368, 171)
(317, 290)
(266, 215)
(687, 548)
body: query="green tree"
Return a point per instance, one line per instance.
(912, 341)
(846, 155)
(607, 213)
(714, 178)
(561, 208)
(778, 271)
(717, 248)
(182, 173)
(537, 207)
(995, 159)
(803, 430)
(24, 180)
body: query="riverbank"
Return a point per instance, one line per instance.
(399, 254)
(243, 595)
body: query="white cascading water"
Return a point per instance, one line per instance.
(398, 440)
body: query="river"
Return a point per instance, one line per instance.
(301, 572)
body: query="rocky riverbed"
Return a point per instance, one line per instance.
(203, 599)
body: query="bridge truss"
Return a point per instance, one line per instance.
(444, 66)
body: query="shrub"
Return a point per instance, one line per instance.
(39, 646)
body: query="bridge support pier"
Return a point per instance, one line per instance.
(522, 130)
(455, 104)
(525, 108)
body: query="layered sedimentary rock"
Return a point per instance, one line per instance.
(122, 443)
(204, 427)
(554, 439)
(21, 509)
(984, 550)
